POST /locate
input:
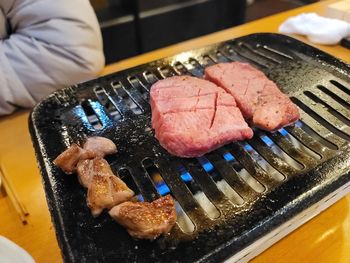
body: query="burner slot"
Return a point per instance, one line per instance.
(267, 58)
(270, 170)
(91, 114)
(274, 51)
(231, 177)
(235, 55)
(315, 128)
(123, 101)
(180, 68)
(336, 95)
(210, 168)
(202, 175)
(153, 173)
(219, 57)
(166, 71)
(158, 182)
(322, 116)
(340, 86)
(252, 167)
(136, 96)
(206, 193)
(107, 103)
(184, 222)
(139, 86)
(125, 174)
(194, 68)
(245, 53)
(150, 77)
(301, 160)
(77, 118)
(207, 60)
(332, 106)
(300, 145)
(231, 194)
(273, 159)
(172, 177)
(311, 139)
(243, 173)
(144, 183)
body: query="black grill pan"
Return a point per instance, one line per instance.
(310, 158)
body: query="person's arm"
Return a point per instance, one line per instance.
(53, 43)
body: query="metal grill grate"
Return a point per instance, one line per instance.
(228, 198)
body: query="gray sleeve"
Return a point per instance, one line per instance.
(54, 43)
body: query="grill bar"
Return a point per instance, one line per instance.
(206, 182)
(335, 95)
(144, 183)
(182, 194)
(291, 150)
(332, 105)
(321, 125)
(227, 172)
(326, 115)
(274, 160)
(309, 141)
(251, 166)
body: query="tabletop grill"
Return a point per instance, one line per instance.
(227, 200)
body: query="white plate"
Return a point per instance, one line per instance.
(12, 253)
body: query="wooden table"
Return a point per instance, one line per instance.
(325, 238)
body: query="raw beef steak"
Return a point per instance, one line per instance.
(192, 116)
(262, 103)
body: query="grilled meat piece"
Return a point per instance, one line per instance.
(87, 168)
(260, 100)
(100, 146)
(93, 147)
(106, 190)
(192, 116)
(68, 160)
(146, 220)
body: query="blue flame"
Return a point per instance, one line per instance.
(267, 140)
(283, 132)
(186, 177)
(299, 124)
(229, 157)
(248, 147)
(162, 188)
(207, 166)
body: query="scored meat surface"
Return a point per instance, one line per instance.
(262, 103)
(144, 219)
(192, 116)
